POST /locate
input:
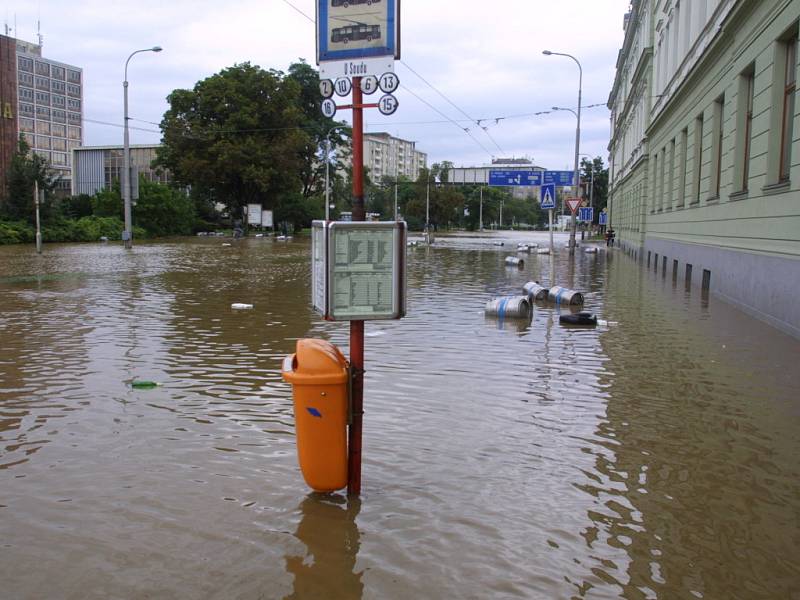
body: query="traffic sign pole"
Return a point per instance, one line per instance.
(357, 327)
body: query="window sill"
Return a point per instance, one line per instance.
(741, 195)
(714, 200)
(777, 188)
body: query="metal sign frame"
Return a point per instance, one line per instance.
(331, 13)
(326, 273)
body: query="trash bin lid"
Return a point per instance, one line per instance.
(316, 362)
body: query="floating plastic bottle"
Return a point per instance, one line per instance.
(141, 384)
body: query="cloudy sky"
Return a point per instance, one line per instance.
(483, 61)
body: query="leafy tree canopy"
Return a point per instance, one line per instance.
(27, 169)
(237, 134)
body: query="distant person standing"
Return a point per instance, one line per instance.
(612, 235)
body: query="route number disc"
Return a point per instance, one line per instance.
(388, 82)
(388, 104)
(343, 86)
(328, 108)
(326, 88)
(369, 84)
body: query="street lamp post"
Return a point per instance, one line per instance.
(127, 235)
(577, 138)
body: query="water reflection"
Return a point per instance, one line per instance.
(329, 532)
(654, 458)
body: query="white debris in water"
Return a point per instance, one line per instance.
(241, 306)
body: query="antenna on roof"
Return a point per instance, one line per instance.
(39, 32)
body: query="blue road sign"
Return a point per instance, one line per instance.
(603, 218)
(586, 214)
(560, 178)
(548, 197)
(506, 178)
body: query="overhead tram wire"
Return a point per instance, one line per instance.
(465, 130)
(454, 105)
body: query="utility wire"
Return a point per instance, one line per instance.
(300, 11)
(464, 129)
(477, 122)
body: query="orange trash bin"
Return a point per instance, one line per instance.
(320, 378)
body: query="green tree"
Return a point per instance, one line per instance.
(163, 210)
(27, 169)
(238, 136)
(317, 127)
(600, 197)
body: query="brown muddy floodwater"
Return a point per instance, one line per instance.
(658, 457)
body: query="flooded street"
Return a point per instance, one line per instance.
(656, 457)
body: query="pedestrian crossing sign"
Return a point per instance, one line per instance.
(548, 197)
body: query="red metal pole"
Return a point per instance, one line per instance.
(357, 327)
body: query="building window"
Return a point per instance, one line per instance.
(26, 94)
(43, 142)
(684, 167)
(43, 83)
(25, 79)
(26, 109)
(671, 174)
(662, 188)
(26, 125)
(73, 104)
(42, 69)
(57, 72)
(43, 127)
(59, 116)
(75, 133)
(787, 122)
(59, 101)
(73, 76)
(42, 98)
(698, 157)
(60, 144)
(58, 86)
(59, 130)
(716, 151)
(74, 118)
(73, 90)
(42, 112)
(744, 127)
(25, 64)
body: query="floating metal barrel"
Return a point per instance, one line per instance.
(513, 261)
(591, 250)
(562, 295)
(543, 251)
(509, 307)
(534, 291)
(523, 248)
